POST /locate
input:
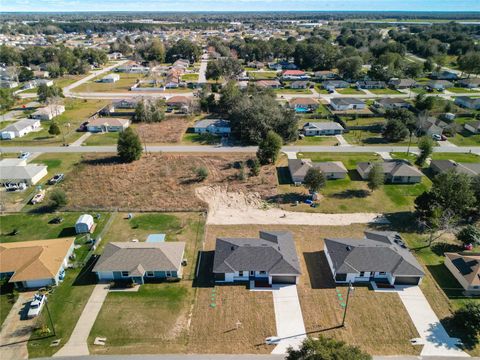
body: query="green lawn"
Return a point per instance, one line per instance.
(363, 121)
(190, 77)
(202, 139)
(292, 91)
(386, 91)
(7, 299)
(456, 157)
(110, 138)
(320, 89)
(317, 140)
(410, 157)
(465, 138)
(350, 91)
(366, 137)
(262, 75)
(124, 84)
(68, 79)
(460, 90)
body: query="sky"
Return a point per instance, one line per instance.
(237, 5)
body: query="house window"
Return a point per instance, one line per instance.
(362, 273)
(252, 273)
(125, 273)
(168, 273)
(341, 277)
(150, 274)
(382, 273)
(240, 273)
(263, 272)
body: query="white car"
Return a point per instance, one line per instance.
(24, 155)
(436, 137)
(38, 198)
(272, 340)
(36, 305)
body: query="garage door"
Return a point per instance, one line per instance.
(407, 280)
(284, 279)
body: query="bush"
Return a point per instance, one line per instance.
(202, 173)
(269, 148)
(58, 198)
(129, 147)
(54, 129)
(470, 234)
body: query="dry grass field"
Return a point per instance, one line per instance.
(168, 131)
(101, 182)
(378, 323)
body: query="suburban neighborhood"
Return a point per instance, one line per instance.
(243, 182)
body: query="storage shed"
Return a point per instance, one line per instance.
(84, 224)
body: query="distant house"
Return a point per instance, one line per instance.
(468, 102)
(343, 104)
(299, 85)
(324, 75)
(465, 267)
(444, 75)
(370, 84)
(331, 85)
(256, 64)
(442, 166)
(115, 56)
(48, 112)
(110, 78)
(271, 258)
(127, 103)
(469, 83)
(17, 171)
(392, 103)
(271, 84)
(395, 171)
(8, 84)
(303, 104)
(432, 126)
(107, 124)
(140, 261)
(212, 126)
(322, 128)
(282, 65)
(380, 257)
(294, 75)
(179, 102)
(402, 83)
(37, 82)
(35, 264)
(20, 128)
(132, 68)
(473, 126)
(439, 85)
(331, 169)
(39, 74)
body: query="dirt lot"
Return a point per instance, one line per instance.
(378, 323)
(101, 182)
(169, 130)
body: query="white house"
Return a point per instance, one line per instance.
(17, 171)
(48, 112)
(380, 257)
(110, 78)
(106, 124)
(343, 104)
(473, 126)
(322, 128)
(20, 128)
(212, 126)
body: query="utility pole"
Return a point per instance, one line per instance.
(350, 289)
(49, 315)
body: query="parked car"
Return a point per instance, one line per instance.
(36, 305)
(83, 126)
(56, 220)
(437, 137)
(15, 187)
(24, 155)
(56, 179)
(38, 198)
(272, 340)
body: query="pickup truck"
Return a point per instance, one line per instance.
(38, 198)
(36, 305)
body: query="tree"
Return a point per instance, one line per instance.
(350, 67)
(230, 68)
(395, 131)
(54, 129)
(45, 92)
(202, 173)
(269, 148)
(425, 145)
(129, 147)
(424, 103)
(452, 191)
(314, 180)
(376, 177)
(428, 65)
(183, 49)
(25, 74)
(467, 318)
(476, 189)
(254, 166)
(213, 72)
(326, 349)
(470, 63)
(7, 99)
(58, 199)
(470, 234)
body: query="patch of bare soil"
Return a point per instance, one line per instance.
(160, 182)
(169, 130)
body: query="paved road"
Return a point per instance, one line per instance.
(233, 149)
(203, 69)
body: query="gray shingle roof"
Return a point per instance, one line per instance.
(441, 166)
(323, 125)
(377, 252)
(273, 252)
(299, 167)
(392, 167)
(140, 257)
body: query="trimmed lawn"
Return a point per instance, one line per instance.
(350, 91)
(124, 84)
(202, 139)
(403, 155)
(6, 300)
(366, 137)
(373, 319)
(190, 77)
(110, 138)
(465, 138)
(384, 91)
(68, 79)
(351, 194)
(292, 91)
(363, 121)
(262, 75)
(472, 158)
(460, 90)
(317, 140)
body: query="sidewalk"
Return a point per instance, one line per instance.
(81, 139)
(77, 344)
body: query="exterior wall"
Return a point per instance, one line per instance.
(38, 283)
(232, 277)
(471, 128)
(37, 177)
(335, 175)
(322, 132)
(406, 179)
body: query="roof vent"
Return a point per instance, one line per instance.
(232, 248)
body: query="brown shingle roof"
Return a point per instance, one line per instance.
(468, 265)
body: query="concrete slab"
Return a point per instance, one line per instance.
(288, 317)
(432, 332)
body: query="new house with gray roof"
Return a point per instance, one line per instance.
(330, 169)
(381, 256)
(271, 258)
(442, 166)
(395, 171)
(322, 128)
(140, 261)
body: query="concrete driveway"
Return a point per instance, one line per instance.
(288, 317)
(77, 344)
(433, 334)
(16, 330)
